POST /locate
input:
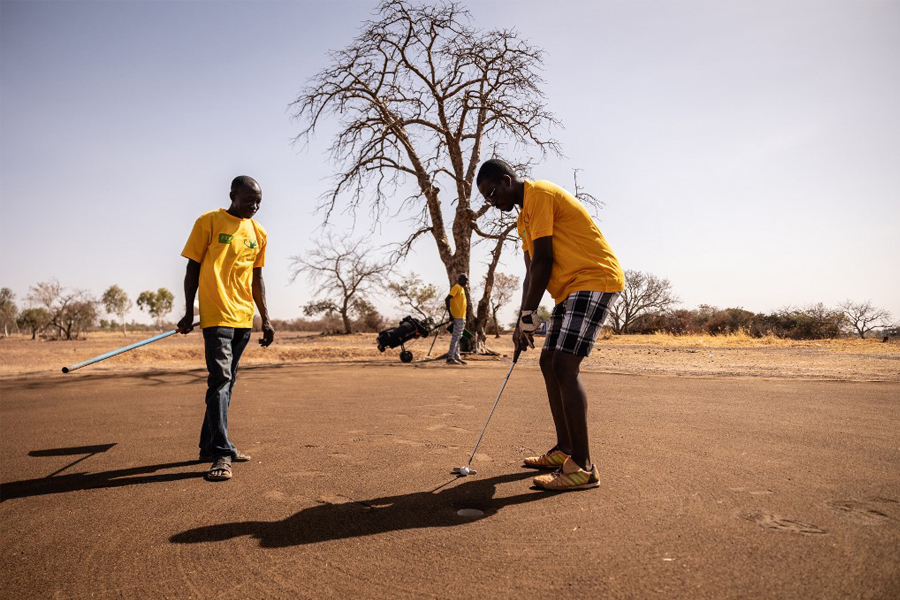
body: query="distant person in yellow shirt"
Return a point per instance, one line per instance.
(226, 252)
(566, 255)
(456, 308)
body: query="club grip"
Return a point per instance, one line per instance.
(516, 355)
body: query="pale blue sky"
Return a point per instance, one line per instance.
(747, 151)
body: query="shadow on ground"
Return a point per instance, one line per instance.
(40, 380)
(88, 481)
(324, 522)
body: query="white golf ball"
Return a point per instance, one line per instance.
(464, 470)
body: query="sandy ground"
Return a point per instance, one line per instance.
(713, 487)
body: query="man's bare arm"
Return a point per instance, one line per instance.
(191, 283)
(259, 297)
(537, 274)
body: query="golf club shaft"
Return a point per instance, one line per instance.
(503, 387)
(437, 333)
(96, 359)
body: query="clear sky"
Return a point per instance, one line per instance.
(747, 151)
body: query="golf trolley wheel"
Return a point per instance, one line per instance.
(406, 356)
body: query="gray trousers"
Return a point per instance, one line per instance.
(458, 326)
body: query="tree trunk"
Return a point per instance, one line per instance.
(345, 316)
(496, 324)
(484, 305)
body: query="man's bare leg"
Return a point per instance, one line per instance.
(567, 370)
(563, 441)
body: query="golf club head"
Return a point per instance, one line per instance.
(464, 471)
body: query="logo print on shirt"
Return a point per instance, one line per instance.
(250, 244)
(225, 238)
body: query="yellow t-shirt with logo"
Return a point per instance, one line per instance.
(458, 302)
(582, 260)
(227, 248)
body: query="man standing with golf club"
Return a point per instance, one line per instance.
(226, 252)
(566, 255)
(456, 307)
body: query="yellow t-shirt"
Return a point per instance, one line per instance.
(582, 260)
(458, 302)
(227, 248)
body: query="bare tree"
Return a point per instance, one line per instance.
(117, 302)
(414, 294)
(585, 197)
(863, 317)
(505, 287)
(501, 232)
(418, 95)
(344, 272)
(645, 294)
(64, 306)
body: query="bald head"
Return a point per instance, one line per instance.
(493, 169)
(244, 182)
(246, 196)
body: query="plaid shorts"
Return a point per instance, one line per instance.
(575, 322)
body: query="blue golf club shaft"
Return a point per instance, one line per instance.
(97, 359)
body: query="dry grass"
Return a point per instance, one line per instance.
(694, 355)
(742, 340)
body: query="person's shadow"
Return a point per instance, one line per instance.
(326, 522)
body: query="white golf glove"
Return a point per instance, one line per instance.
(528, 324)
(528, 321)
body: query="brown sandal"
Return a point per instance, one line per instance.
(220, 469)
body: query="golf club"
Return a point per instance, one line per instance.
(96, 359)
(444, 314)
(467, 470)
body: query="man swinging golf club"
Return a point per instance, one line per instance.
(226, 252)
(566, 255)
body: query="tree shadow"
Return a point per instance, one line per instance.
(89, 481)
(325, 522)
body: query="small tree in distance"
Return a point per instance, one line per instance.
(60, 302)
(117, 302)
(344, 273)
(645, 294)
(8, 309)
(863, 317)
(158, 304)
(417, 296)
(505, 287)
(35, 319)
(81, 316)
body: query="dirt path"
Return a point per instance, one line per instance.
(712, 488)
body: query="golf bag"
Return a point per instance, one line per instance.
(409, 328)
